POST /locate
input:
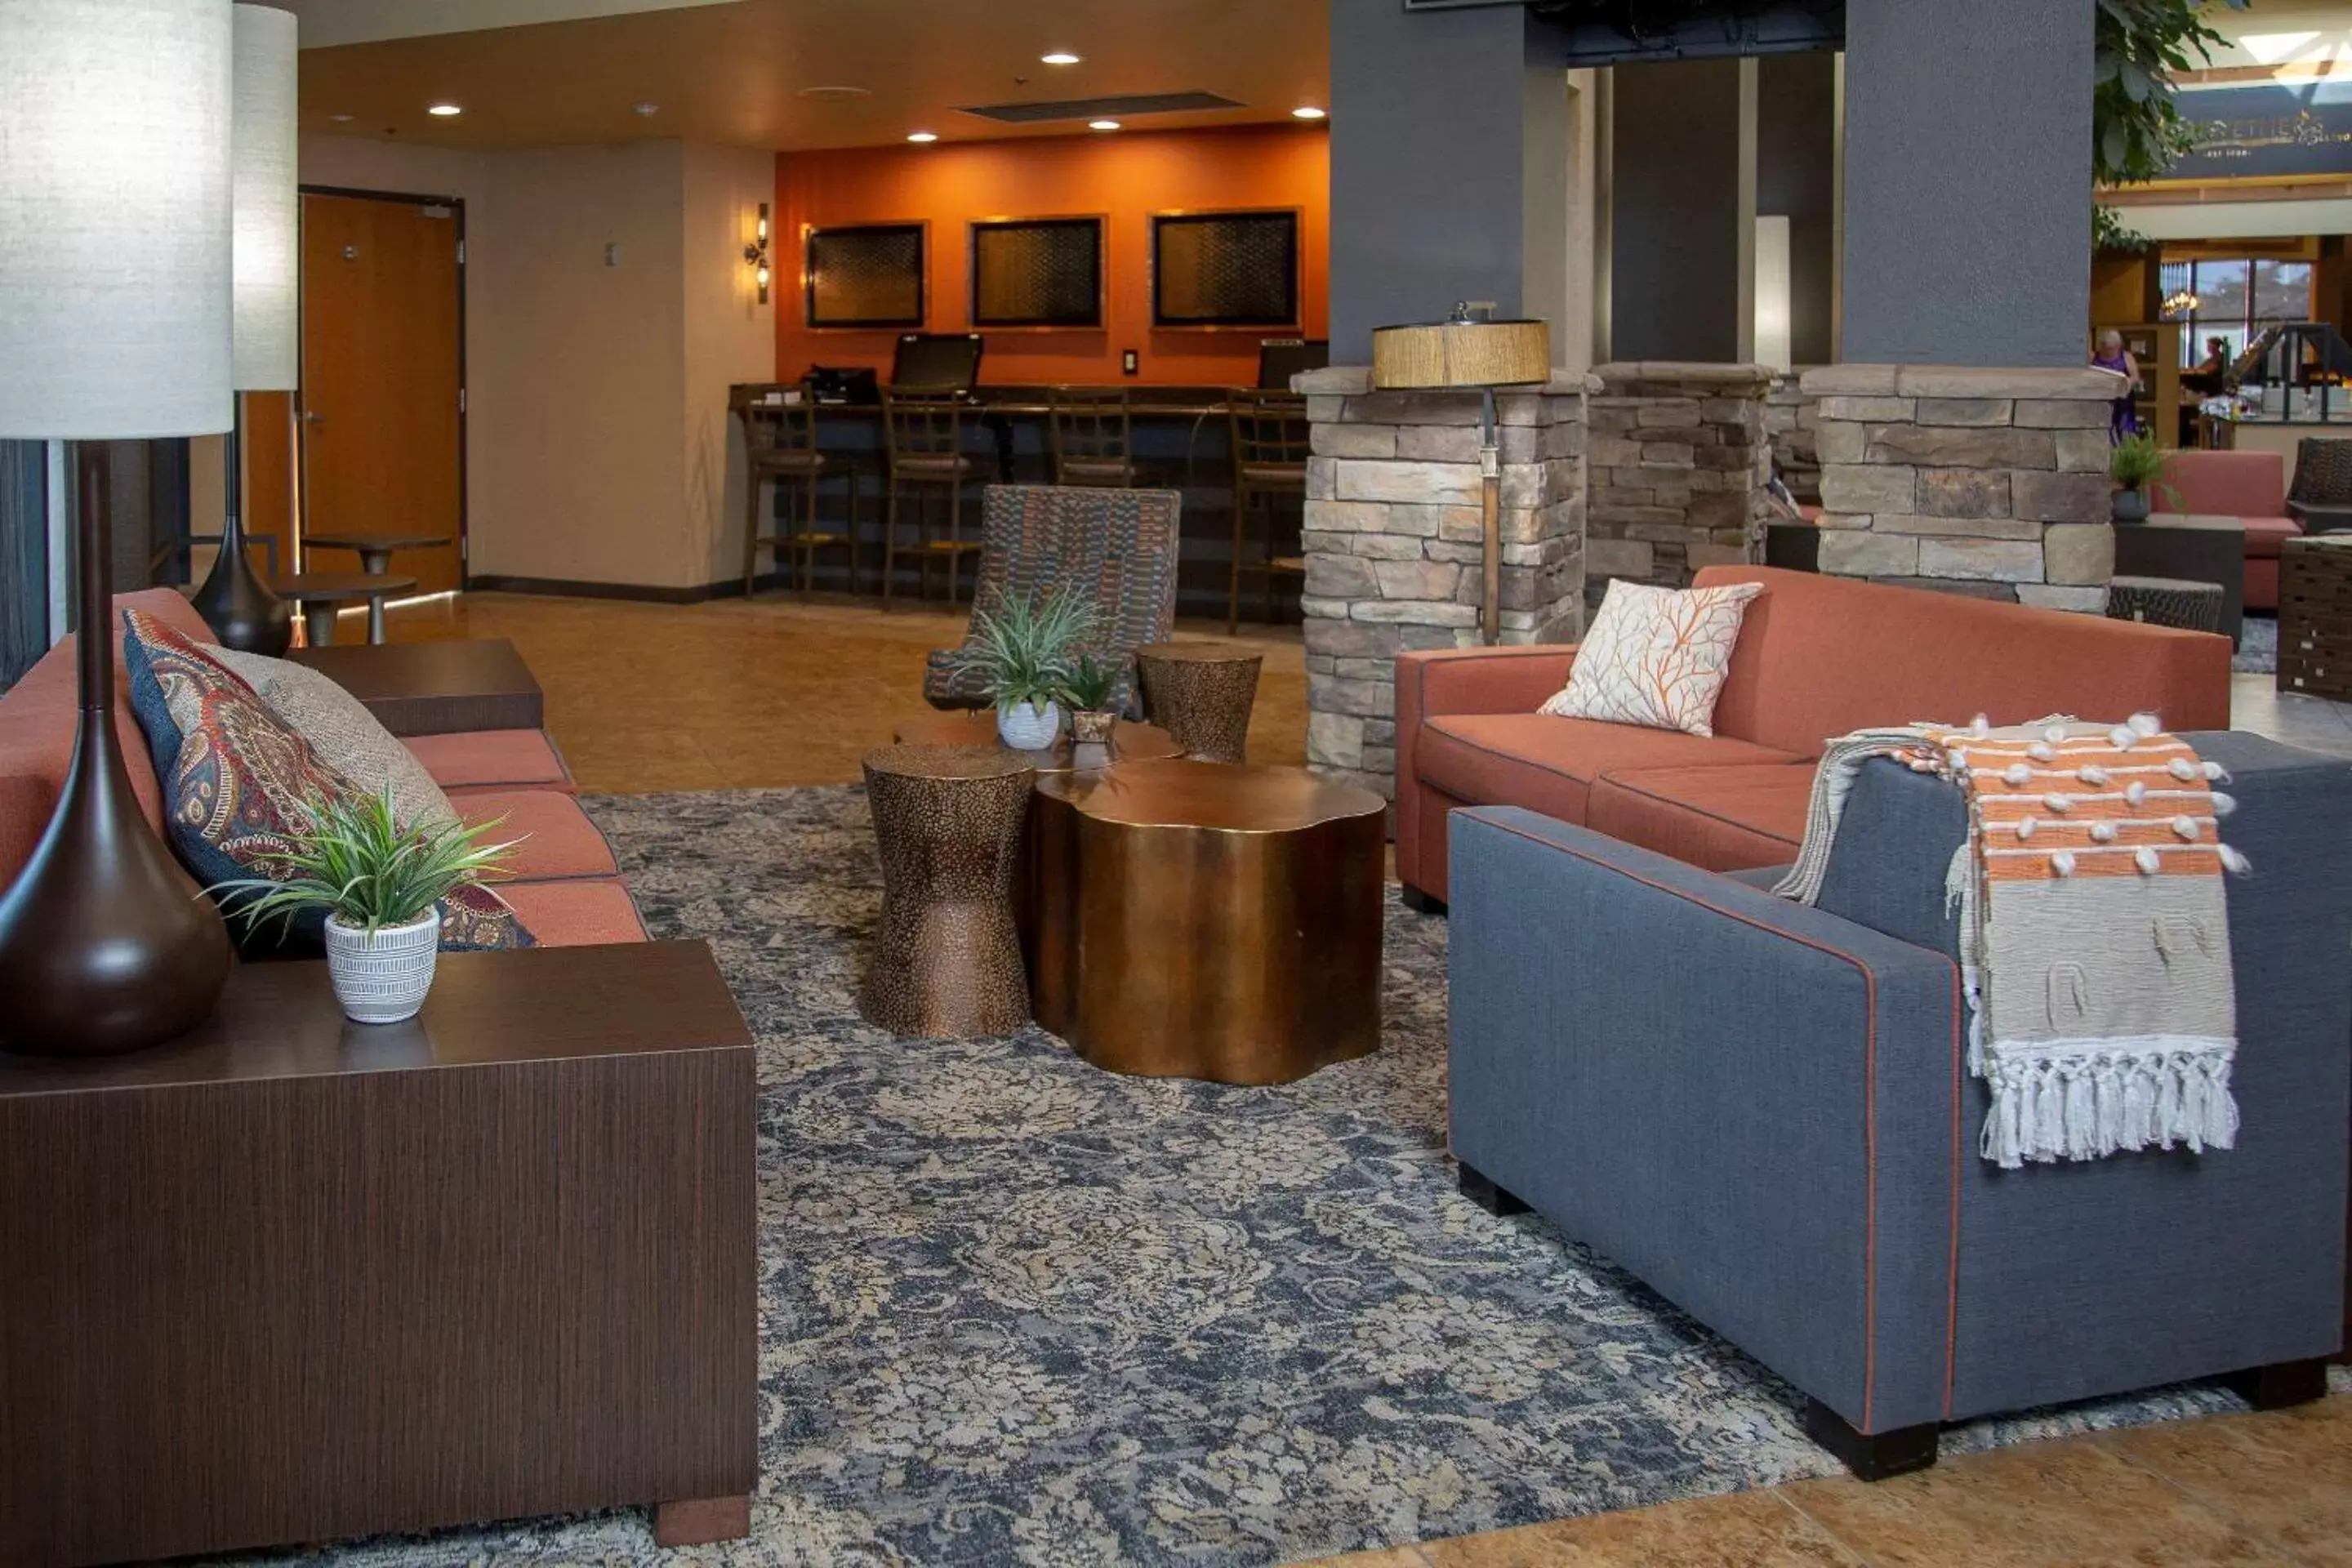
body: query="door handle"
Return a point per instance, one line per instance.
(311, 418)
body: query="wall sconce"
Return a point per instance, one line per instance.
(756, 253)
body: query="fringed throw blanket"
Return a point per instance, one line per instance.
(2094, 939)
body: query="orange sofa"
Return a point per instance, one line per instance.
(566, 885)
(1817, 657)
(2248, 486)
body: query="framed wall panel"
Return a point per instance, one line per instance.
(1037, 272)
(1225, 268)
(865, 275)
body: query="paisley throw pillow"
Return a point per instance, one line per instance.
(1656, 657)
(237, 783)
(345, 735)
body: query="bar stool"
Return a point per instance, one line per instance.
(780, 444)
(924, 439)
(1270, 446)
(1091, 436)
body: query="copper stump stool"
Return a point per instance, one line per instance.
(1207, 920)
(947, 958)
(1202, 694)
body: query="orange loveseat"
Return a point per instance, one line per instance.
(566, 885)
(2248, 486)
(1817, 657)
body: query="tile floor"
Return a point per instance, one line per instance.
(775, 692)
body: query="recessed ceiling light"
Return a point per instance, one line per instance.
(444, 110)
(1102, 124)
(833, 94)
(648, 109)
(922, 135)
(1060, 57)
(1307, 111)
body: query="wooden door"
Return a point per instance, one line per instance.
(382, 379)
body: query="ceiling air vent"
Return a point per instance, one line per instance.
(1118, 108)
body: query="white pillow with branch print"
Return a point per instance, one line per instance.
(1656, 657)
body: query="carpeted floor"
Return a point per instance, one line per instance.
(1017, 1310)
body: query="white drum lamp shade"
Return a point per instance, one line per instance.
(114, 219)
(268, 263)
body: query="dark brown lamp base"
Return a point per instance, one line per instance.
(106, 946)
(234, 601)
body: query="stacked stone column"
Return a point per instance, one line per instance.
(1991, 483)
(1394, 544)
(1678, 461)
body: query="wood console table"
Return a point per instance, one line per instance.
(294, 1279)
(435, 688)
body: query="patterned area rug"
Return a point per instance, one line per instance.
(1017, 1311)
(2257, 646)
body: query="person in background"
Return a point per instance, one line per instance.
(2113, 357)
(2215, 360)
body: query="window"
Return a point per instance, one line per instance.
(2232, 298)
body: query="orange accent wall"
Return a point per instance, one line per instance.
(1126, 176)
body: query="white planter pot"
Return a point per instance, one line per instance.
(382, 979)
(1025, 727)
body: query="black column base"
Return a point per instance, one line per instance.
(1421, 903)
(2280, 1384)
(1480, 1189)
(1872, 1456)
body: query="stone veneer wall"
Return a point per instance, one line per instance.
(1393, 539)
(1992, 482)
(1678, 464)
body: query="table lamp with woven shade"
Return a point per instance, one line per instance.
(265, 329)
(1470, 353)
(114, 325)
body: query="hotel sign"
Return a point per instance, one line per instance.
(2253, 131)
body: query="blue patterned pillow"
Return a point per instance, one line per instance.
(237, 783)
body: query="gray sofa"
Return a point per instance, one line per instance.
(1760, 1109)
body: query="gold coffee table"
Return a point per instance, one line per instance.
(1205, 919)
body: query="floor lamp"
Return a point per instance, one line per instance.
(114, 325)
(1470, 352)
(266, 271)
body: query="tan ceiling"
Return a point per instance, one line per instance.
(730, 73)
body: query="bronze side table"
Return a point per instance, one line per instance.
(947, 958)
(1202, 694)
(1205, 920)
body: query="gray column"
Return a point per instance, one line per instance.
(1427, 132)
(1968, 181)
(1683, 215)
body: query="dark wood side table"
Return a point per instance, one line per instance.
(2316, 618)
(1203, 919)
(291, 1278)
(322, 594)
(435, 688)
(374, 550)
(1201, 693)
(2194, 546)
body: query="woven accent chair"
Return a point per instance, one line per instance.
(1117, 547)
(2321, 497)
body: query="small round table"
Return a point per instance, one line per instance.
(2166, 602)
(374, 551)
(1206, 920)
(1202, 694)
(977, 727)
(320, 593)
(947, 958)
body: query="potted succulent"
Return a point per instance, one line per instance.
(379, 886)
(1089, 690)
(1024, 645)
(2133, 465)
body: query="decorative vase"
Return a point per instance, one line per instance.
(1092, 728)
(1026, 727)
(2131, 504)
(382, 979)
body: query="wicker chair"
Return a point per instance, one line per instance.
(2321, 497)
(1116, 546)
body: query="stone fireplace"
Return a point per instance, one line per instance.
(1394, 543)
